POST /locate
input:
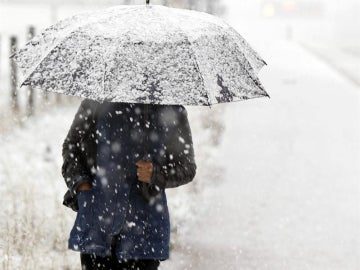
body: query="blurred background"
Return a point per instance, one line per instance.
(325, 28)
(277, 185)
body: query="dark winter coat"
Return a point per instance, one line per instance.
(102, 146)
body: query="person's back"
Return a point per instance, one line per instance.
(115, 219)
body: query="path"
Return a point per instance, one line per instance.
(290, 199)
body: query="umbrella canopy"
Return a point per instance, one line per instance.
(143, 54)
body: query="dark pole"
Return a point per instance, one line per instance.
(58, 98)
(191, 4)
(147, 2)
(30, 104)
(13, 75)
(211, 7)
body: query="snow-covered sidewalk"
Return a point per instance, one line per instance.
(290, 198)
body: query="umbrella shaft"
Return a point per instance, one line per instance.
(147, 2)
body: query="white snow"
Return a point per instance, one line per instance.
(289, 198)
(280, 190)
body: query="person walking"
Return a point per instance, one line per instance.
(118, 159)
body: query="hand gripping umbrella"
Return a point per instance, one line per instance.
(147, 54)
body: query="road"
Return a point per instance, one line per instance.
(290, 195)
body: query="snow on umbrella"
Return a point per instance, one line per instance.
(143, 54)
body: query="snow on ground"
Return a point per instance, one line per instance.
(280, 191)
(33, 223)
(290, 195)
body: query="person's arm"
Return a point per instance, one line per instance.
(75, 169)
(181, 167)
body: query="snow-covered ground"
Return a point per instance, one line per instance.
(290, 198)
(291, 194)
(280, 191)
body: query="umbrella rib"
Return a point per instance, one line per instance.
(261, 62)
(198, 68)
(27, 76)
(104, 75)
(196, 62)
(253, 74)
